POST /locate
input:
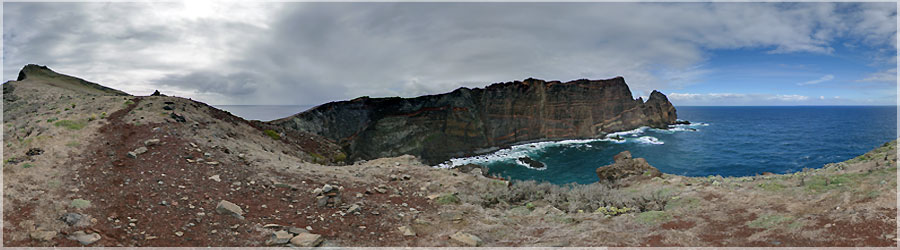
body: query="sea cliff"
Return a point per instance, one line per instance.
(471, 121)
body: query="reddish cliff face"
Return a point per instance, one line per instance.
(471, 121)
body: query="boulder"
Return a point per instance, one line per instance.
(140, 150)
(151, 142)
(626, 170)
(407, 231)
(306, 240)
(226, 207)
(280, 237)
(84, 238)
(71, 218)
(624, 155)
(42, 235)
(297, 230)
(531, 162)
(177, 118)
(34, 151)
(477, 172)
(467, 239)
(352, 209)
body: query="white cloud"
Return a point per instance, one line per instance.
(735, 99)
(885, 76)
(824, 78)
(790, 98)
(309, 53)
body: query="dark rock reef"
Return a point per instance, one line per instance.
(626, 170)
(473, 121)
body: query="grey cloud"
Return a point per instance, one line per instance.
(238, 84)
(309, 53)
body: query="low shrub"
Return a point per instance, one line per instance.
(274, 135)
(69, 124)
(448, 199)
(571, 197)
(653, 217)
(339, 157)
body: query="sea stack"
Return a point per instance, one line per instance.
(472, 121)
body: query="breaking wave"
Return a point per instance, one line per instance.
(513, 153)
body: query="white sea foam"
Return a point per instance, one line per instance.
(649, 140)
(513, 153)
(632, 133)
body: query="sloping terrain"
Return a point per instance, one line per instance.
(91, 168)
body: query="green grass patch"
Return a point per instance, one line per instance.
(275, 136)
(69, 124)
(339, 157)
(128, 102)
(73, 144)
(80, 203)
(769, 220)
(52, 119)
(825, 183)
(771, 186)
(687, 203)
(447, 199)
(27, 165)
(653, 217)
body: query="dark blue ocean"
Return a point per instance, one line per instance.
(727, 141)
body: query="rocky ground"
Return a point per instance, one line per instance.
(86, 167)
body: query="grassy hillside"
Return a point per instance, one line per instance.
(88, 166)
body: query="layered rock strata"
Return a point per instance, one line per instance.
(473, 121)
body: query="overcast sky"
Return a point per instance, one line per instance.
(311, 53)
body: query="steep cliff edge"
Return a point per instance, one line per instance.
(470, 121)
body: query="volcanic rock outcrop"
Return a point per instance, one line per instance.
(473, 121)
(626, 169)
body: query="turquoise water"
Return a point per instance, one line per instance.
(727, 141)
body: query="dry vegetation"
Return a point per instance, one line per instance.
(83, 135)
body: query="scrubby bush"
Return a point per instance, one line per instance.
(571, 197)
(447, 199)
(73, 125)
(274, 135)
(340, 156)
(653, 217)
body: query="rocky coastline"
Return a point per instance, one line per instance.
(93, 166)
(467, 121)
